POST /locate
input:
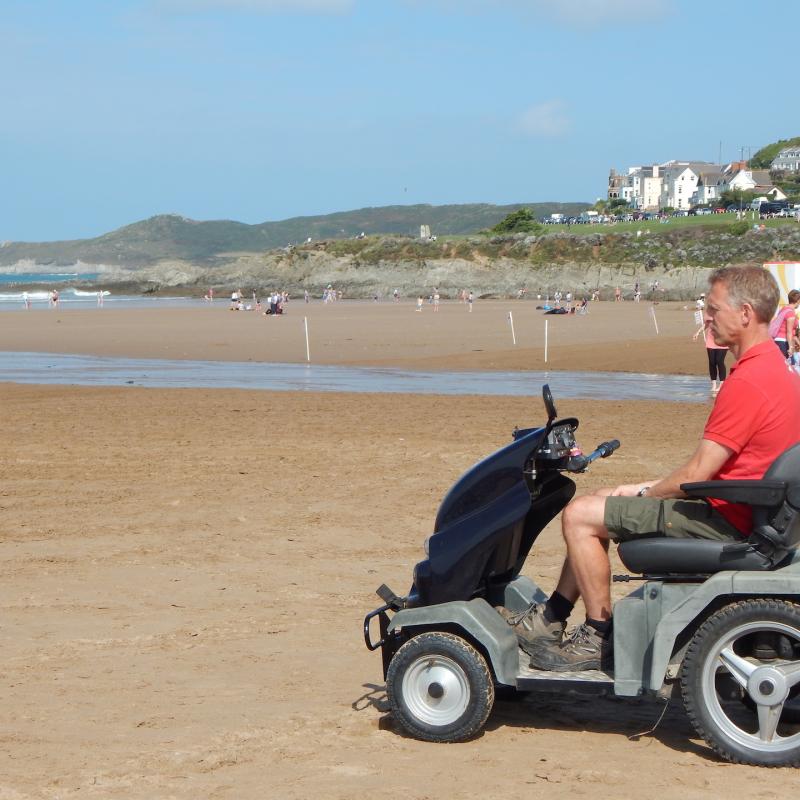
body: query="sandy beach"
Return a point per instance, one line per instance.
(185, 572)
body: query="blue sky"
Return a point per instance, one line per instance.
(260, 110)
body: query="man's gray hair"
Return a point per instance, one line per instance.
(752, 285)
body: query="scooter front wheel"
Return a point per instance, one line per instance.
(440, 688)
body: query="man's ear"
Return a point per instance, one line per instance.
(748, 314)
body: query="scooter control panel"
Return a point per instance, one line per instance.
(560, 442)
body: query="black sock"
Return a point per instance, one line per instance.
(602, 626)
(558, 608)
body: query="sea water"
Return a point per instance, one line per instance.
(160, 373)
(27, 278)
(14, 299)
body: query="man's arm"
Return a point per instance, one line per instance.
(704, 464)
(791, 321)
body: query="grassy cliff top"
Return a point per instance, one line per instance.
(172, 237)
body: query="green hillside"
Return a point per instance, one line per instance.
(170, 236)
(764, 157)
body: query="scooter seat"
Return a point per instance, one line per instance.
(659, 555)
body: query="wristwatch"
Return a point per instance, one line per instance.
(643, 491)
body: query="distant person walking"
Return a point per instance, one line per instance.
(419, 303)
(436, 300)
(617, 295)
(470, 299)
(716, 353)
(783, 326)
(654, 291)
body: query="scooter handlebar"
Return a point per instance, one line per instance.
(604, 450)
(607, 448)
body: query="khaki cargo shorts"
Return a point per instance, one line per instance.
(631, 517)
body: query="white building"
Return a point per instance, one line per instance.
(680, 182)
(710, 185)
(787, 160)
(748, 179)
(641, 187)
(755, 180)
(651, 181)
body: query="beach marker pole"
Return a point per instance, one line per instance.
(545, 341)
(653, 315)
(513, 335)
(308, 351)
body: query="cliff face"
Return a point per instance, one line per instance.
(680, 260)
(500, 277)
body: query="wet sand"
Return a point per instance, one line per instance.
(613, 336)
(185, 573)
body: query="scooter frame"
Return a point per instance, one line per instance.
(654, 625)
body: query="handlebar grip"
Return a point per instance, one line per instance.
(604, 450)
(607, 448)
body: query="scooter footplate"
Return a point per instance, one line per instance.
(592, 680)
(587, 675)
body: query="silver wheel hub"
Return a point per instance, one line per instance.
(767, 684)
(436, 690)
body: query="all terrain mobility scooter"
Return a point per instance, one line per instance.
(719, 622)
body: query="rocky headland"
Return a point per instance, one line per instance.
(680, 258)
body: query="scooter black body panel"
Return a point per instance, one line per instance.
(487, 524)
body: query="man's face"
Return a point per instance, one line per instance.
(727, 321)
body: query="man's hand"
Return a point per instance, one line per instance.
(705, 463)
(630, 489)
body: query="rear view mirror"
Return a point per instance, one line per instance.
(549, 403)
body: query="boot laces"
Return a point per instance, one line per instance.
(531, 611)
(580, 635)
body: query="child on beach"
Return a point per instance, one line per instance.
(419, 303)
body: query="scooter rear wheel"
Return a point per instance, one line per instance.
(755, 725)
(440, 688)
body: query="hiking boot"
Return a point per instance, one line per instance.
(532, 627)
(584, 648)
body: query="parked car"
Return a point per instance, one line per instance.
(772, 207)
(702, 212)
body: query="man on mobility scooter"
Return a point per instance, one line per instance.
(756, 417)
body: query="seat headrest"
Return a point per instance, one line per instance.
(786, 467)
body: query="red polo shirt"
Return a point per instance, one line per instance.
(757, 415)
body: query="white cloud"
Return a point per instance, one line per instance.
(262, 6)
(573, 13)
(595, 12)
(546, 119)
